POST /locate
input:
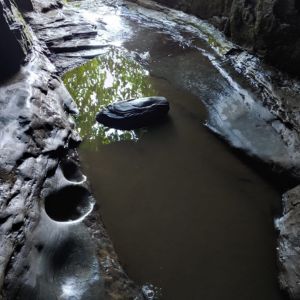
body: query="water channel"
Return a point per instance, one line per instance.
(184, 211)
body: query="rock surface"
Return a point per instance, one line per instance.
(24, 5)
(41, 258)
(268, 27)
(46, 6)
(16, 42)
(133, 114)
(69, 38)
(288, 244)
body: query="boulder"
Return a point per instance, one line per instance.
(133, 114)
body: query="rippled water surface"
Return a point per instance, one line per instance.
(184, 212)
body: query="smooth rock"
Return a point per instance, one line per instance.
(135, 113)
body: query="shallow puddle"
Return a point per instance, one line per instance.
(184, 212)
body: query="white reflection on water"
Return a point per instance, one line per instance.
(109, 80)
(91, 17)
(114, 22)
(70, 289)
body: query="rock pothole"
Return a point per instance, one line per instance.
(72, 171)
(70, 203)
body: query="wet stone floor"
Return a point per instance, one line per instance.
(184, 212)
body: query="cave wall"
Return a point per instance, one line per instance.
(16, 40)
(270, 28)
(24, 5)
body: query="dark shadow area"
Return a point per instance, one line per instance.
(61, 257)
(68, 204)
(12, 52)
(71, 170)
(297, 6)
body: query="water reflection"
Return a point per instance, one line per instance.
(111, 77)
(114, 22)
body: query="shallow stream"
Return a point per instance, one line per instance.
(185, 212)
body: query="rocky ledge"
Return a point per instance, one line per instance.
(269, 28)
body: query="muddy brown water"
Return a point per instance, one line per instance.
(183, 211)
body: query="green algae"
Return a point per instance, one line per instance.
(108, 78)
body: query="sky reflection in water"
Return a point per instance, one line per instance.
(108, 78)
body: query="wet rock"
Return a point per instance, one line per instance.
(270, 28)
(67, 200)
(62, 264)
(24, 5)
(70, 38)
(17, 39)
(71, 171)
(71, 203)
(66, 193)
(135, 113)
(46, 6)
(42, 254)
(32, 117)
(288, 243)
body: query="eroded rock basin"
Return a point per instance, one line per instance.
(185, 213)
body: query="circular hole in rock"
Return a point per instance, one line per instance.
(71, 171)
(68, 204)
